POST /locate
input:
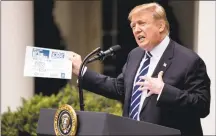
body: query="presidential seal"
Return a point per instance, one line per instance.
(65, 121)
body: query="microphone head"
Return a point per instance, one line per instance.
(116, 47)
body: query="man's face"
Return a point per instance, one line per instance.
(146, 30)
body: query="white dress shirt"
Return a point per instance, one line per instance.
(156, 53)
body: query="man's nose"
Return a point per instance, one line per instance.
(137, 29)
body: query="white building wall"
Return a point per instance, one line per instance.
(16, 34)
(205, 39)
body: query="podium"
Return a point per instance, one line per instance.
(99, 123)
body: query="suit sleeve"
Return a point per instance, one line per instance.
(103, 85)
(195, 97)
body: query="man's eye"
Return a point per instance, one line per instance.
(143, 24)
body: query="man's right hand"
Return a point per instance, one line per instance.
(76, 63)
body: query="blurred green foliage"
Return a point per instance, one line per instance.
(24, 119)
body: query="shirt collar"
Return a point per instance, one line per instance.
(158, 50)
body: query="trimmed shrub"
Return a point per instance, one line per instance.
(24, 120)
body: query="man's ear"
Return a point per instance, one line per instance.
(161, 25)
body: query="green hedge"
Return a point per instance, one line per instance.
(24, 120)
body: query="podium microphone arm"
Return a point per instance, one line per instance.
(103, 54)
(100, 55)
(85, 61)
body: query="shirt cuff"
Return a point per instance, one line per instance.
(84, 71)
(160, 93)
(85, 68)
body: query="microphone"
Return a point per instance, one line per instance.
(103, 54)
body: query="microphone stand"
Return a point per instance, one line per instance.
(80, 76)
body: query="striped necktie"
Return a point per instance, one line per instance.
(136, 94)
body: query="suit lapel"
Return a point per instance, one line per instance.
(165, 60)
(162, 65)
(134, 65)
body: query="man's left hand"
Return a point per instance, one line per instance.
(154, 85)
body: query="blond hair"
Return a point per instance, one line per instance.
(157, 10)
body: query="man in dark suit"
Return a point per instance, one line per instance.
(162, 82)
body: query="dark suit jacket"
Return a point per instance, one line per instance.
(185, 97)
